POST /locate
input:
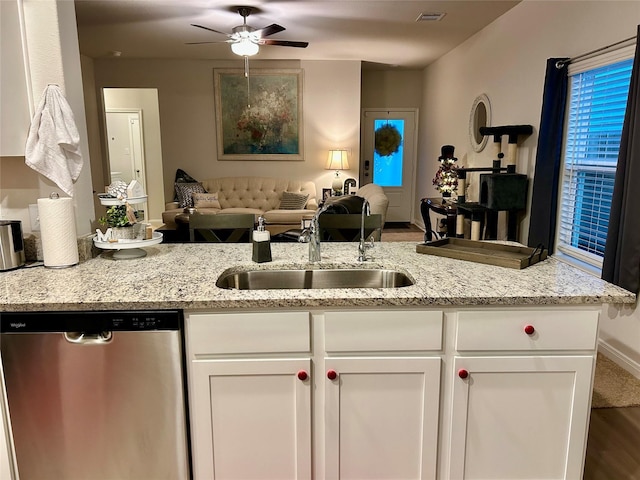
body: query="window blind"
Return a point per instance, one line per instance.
(595, 115)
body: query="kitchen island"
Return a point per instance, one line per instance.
(474, 371)
(184, 276)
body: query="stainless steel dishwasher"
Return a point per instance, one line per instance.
(96, 395)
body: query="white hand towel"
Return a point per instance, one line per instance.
(53, 143)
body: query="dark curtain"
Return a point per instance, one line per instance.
(622, 251)
(544, 201)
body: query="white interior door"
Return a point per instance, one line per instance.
(394, 169)
(126, 146)
(126, 151)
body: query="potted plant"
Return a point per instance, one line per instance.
(121, 220)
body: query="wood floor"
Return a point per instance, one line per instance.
(613, 447)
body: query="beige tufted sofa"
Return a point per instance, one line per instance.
(257, 195)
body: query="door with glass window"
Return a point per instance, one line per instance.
(389, 157)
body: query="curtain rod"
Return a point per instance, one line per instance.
(562, 63)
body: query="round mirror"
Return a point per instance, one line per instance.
(480, 117)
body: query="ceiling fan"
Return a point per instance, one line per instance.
(245, 40)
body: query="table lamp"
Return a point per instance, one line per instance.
(337, 161)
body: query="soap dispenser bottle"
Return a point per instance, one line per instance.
(261, 243)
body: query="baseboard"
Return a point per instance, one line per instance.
(619, 358)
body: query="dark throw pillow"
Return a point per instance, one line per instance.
(182, 177)
(185, 191)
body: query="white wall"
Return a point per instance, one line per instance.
(91, 102)
(506, 60)
(620, 336)
(392, 89)
(331, 113)
(53, 57)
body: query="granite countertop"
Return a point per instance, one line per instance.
(184, 276)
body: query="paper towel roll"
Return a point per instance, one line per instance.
(58, 232)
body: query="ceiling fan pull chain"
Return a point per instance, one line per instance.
(246, 74)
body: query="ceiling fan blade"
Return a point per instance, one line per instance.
(269, 30)
(210, 29)
(284, 43)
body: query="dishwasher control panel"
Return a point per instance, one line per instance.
(89, 321)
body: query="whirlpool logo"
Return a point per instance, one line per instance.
(17, 325)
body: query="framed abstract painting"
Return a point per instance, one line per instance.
(259, 117)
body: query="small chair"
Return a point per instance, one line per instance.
(221, 227)
(345, 227)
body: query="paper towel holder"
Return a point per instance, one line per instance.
(58, 231)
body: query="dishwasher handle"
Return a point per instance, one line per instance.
(83, 338)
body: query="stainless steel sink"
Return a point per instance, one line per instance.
(329, 278)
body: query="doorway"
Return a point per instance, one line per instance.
(134, 114)
(125, 147)
(392, 162)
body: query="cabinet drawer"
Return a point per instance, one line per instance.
(526, 330)
(383, 331)
(215, 334)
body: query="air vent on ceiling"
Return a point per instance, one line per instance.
(430, 17)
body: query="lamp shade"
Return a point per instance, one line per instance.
(245, 47)
(337, 160)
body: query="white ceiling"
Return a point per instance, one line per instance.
(381, 33)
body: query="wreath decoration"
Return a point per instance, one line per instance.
(387, 141)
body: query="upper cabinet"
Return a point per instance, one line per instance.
(14, 101)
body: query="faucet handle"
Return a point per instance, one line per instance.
(305, 223)
(305, 236)
(369, 242)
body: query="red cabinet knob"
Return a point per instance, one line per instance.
(529, 329)
(332, 374)
(302, 375)
(462, 373)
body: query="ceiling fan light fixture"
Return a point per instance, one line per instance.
(245, 48)
(245, 40)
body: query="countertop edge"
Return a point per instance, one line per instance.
(184, 276)
(320, 303)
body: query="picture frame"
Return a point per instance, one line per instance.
(326, 194)
(259, 117)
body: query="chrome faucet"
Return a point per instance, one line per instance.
(364, 245)
(311, 235)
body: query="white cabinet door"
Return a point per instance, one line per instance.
(251, 419)
(519, 417)
(381, 418)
